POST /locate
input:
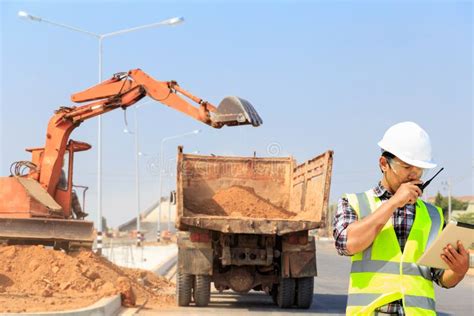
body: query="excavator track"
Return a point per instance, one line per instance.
(69, 235)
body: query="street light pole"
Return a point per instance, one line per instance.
(137, 179)
(158, 225)
(449, 198)
(100, 229)
(137, 171)
(448, 187)
(100, 37)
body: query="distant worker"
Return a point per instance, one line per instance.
(75, 204)
(386, 230)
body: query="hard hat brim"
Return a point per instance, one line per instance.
(418, 163)
(412, 162)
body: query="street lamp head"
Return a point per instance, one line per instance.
(127, 131)
(197, 131)
(174, 21)
(26, 15)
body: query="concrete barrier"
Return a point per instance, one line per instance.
(166, 265)
(107, 306)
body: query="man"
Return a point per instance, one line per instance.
(75, 204)
(387, 229)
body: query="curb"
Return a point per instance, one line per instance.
(104, 307)
(170, 275)
(164, 267)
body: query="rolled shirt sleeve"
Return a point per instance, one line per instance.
(436, 275)
(344, 216)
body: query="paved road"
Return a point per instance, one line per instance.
(329, 295)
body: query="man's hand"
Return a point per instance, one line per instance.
(407, 193)
(457, 260)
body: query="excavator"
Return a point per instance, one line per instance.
(36, 200)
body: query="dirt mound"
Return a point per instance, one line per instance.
(35, 278)
(239, 201)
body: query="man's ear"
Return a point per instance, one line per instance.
(383, 164)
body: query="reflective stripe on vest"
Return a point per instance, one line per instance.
(410, 300)
(390, 267)
(382, 274)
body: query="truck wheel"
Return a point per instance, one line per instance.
(184, 284)
(286, 292)
(202, 290)
(304, 292)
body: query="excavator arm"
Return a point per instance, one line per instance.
(125, 89)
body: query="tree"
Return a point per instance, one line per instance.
(443, 202)
(104, 224)
(468, 218)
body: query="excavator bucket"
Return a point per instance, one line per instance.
(236, 111)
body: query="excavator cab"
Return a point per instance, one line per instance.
(64, 189)
(29, 215)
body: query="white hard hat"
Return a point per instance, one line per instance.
(410, 143)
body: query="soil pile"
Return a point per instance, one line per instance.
(239, 201)
(35, 278)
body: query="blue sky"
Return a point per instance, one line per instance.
(323, 75)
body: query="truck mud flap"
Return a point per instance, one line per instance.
(299, 261)
(194, 257)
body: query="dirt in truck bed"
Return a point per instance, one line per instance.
(36, 278)
(239, 201)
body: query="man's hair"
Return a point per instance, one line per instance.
(388, 155)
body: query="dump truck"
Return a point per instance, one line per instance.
(244, 224)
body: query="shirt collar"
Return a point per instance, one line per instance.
(381, 192)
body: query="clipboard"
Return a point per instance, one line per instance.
(453, 232)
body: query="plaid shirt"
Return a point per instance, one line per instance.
(402, 220)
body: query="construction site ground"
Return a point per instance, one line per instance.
(53, 282)
(40, 279)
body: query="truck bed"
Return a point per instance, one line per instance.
(276, 195)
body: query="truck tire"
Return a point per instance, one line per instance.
(202, 290)
(286, 292)
(184, 285)
(304, 292)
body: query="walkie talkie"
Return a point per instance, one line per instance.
(422, 186)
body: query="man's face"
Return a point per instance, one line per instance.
(398, 172)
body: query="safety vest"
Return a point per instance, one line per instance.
(382, 274)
